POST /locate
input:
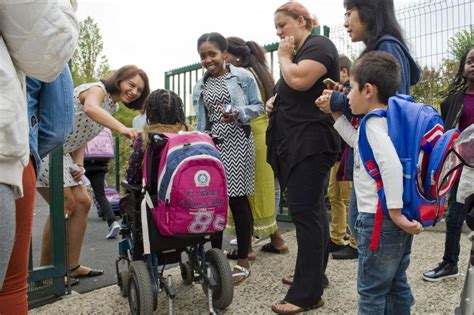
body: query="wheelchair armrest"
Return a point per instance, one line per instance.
(130, 187)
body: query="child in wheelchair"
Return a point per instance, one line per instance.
(148, 241)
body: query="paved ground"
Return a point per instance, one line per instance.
(264, 286)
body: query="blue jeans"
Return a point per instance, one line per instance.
(50, 112)
(381, 278)
(353, 213)
(454, 221)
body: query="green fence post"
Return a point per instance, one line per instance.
(48, 280)
(117, 163)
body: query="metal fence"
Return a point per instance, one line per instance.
(427, 26)
(182, 80)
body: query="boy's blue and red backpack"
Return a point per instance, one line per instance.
(422, 145)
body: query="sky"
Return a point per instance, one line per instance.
(161, 35)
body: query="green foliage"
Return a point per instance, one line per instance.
(434, 81)
(461, 42)
(88, 62)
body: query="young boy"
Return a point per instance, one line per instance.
(381, 281)
(340, 182)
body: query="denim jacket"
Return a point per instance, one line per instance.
(50, 113)
(244, 95)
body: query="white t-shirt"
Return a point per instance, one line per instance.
(387, 160)
(139, 121)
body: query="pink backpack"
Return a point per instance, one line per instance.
(191, 186)
(100, 147)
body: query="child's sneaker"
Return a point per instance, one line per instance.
(114, 229)
(443, 271)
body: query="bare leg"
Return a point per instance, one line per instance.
(76, 204)
(277, 241)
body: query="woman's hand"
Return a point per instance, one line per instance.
(269, 105)
(230, 117)
(286, 47)
(130, 133)
(77, 172)
(324, 101)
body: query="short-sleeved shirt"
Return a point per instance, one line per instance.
(298, 129)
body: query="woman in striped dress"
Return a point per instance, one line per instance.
(225, 100)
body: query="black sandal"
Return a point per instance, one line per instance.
(90, 274)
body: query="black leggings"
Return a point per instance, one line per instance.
(95, 172)
(243, 224)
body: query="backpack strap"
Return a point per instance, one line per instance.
(370, 165)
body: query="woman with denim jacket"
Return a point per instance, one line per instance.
(225, 100)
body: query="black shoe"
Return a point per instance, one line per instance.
(443, 271)
(333, 247)
(346, 253)
(325, 281)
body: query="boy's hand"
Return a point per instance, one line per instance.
(324, 101)
(410, 227)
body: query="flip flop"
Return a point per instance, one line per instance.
(270, 248)
(275, 309)
(90, 274)
(243, 272)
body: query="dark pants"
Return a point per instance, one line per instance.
(454, 222)
(242, 215)
(306, 205)
(95, 172)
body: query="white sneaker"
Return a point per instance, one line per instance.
(233, 241)
(114, 229)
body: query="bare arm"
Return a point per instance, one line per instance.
(92, 100)
(303, 75)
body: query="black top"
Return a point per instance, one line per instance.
(297, 128)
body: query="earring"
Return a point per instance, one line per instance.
(238, 59)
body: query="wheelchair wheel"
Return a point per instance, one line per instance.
(187, 272)
(223, 293)
(124, 278)
(140, 289)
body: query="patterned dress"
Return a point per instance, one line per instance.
(237, 150)
(85, 129)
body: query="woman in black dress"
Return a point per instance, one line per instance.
(302, 146)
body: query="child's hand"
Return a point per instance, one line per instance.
(324, 101)
(412, 227)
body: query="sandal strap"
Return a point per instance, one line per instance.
(75, 268)
(244, 271)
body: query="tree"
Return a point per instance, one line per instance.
(434, 81)
(461, 42)
(88, 63)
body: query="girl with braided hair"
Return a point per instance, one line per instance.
(457, 110)
(265, 199)
(164, 113)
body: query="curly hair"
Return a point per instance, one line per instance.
(164, 107)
